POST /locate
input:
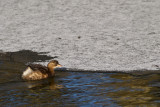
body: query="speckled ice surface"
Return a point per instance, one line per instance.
(85, 34)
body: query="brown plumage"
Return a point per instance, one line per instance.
(37, 71)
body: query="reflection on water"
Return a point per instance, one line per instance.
(43, 83)
(74, 88)
(142, 91)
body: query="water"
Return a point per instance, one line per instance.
(73, 88)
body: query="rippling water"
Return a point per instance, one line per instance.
(73, 88)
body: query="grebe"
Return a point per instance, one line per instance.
(37, 71)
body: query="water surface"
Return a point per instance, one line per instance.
(73, 88)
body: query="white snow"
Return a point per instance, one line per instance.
(114, 34)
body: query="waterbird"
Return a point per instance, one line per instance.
(38, 72)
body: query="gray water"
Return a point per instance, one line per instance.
(73, 88)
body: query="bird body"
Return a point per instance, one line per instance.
(38, 72)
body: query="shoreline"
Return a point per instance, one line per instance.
(21, 58)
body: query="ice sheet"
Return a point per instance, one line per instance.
(84, 34)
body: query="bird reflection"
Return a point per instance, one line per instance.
(53, 85)
(50, 82)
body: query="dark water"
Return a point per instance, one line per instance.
(74, 88)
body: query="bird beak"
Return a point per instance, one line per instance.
(59, 65)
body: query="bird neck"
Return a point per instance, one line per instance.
(51, 70)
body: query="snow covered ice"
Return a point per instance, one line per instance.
(84, 34)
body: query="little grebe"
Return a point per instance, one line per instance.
(37, 71)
